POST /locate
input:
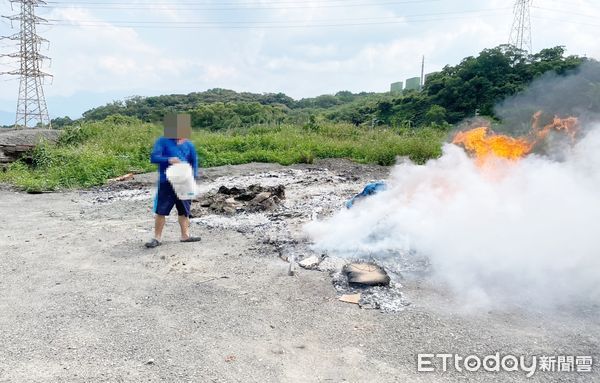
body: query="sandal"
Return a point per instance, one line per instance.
(152, 243)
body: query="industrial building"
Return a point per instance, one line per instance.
(397, 87)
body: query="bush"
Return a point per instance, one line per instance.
(86, 155)
(89, 154)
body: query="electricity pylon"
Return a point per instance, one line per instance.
(32, 110)
(520, 34)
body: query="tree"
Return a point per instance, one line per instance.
(479, 83)
(435, 115)
(61, 122)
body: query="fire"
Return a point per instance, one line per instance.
(484, 144)
(567, 125)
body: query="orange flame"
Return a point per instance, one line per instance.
(567, 125)
(484, 144)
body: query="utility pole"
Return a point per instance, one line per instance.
(423, 72)
(520, 34)
(32, 111)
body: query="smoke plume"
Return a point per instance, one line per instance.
(575, 94)
(516, 232)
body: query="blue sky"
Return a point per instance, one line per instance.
(112, 49)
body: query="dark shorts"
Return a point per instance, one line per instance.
(165, 200)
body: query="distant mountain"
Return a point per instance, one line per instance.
(257, 107)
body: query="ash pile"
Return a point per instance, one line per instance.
(229, 201)
(370, 286)
(363, 283)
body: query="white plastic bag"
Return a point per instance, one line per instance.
(181, 177)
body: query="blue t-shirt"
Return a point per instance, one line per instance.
(165, 148)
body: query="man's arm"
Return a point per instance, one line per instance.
(157, 156)
(194, 160)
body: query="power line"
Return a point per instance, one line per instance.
(232, 7)
(567, 21)
(572, 3)
(284, 24)
(563, 11)
(103, 25)
(399, 19)
(205, 3)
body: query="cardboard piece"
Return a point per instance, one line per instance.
(350, 298)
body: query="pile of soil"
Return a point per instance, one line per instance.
(228, 201)
(16, 143)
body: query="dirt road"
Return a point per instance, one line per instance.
(83, 301)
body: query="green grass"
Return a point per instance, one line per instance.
(292, 144)
(94, 152)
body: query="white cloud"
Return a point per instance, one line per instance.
(374, 66)
(218, 72)
(103, 57)
(301, 61)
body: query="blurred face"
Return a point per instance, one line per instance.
(178, 126)
(178, 132)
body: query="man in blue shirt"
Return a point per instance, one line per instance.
(172, 148)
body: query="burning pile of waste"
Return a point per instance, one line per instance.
(501, 218)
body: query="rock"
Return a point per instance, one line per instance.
(260, 197)
(230, 358)
(310, 263)
(331, 264)
(366, 274)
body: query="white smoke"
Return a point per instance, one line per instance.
(526, 231)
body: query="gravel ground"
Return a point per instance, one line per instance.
(83, 301)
